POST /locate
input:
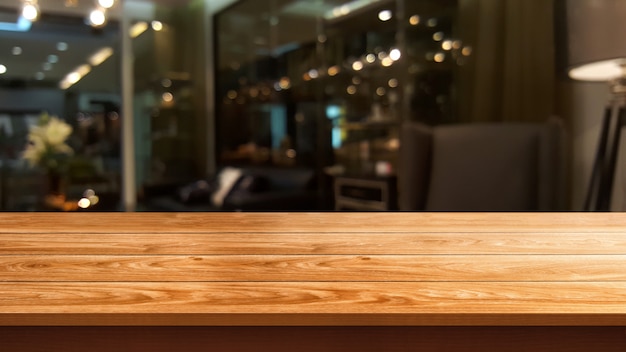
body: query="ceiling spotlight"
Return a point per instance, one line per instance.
(97, 18)
(107, 4)
(3, 69)
(157, 26)
(30, 10)
(385, 15)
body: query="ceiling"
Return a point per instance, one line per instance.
(253, 27)
(27, 55)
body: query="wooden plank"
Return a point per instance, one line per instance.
(267, 269)
(387, 222)
(297, 268)
(313, 304)
(334, 243)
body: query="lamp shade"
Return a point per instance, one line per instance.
(596, 39)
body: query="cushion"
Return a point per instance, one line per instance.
(226, 180)
(197, 192)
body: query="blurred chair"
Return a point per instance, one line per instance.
(482, 167)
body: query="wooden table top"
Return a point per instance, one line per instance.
(303, 269)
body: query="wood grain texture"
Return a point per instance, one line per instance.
(312, 269)
(384, 222)
(246, 243)
(314, 297)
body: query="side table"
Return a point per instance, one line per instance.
(361, 193)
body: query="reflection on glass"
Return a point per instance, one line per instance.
(57, 64)
(358, 66)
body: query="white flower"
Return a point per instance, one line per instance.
(56, 131)
(63, 148)
(46, 142)
(34, 150)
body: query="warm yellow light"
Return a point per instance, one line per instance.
(385, 15)
(167, 97)
(73, 77)
(83, 70)
(333, 70)
(357, 65)
(107, 4)
(97, 18)
(386, 62)
(84, 203)
(414, 20)
(284, 83)
(351, 90)
(30, 11)
(599, 71)
(439, 57)
(137, 29)
(100, 56)
(157, 26)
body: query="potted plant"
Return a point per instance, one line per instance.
(47, 149)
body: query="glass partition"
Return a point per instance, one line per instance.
(331, 84)
(326, 84)
(61, 66)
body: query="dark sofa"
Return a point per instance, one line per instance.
(256, 189)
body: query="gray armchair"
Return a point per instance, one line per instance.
(482, 167)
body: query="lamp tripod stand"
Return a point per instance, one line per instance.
(603, 175)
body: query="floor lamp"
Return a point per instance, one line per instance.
(596, 51)
(600, 186)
